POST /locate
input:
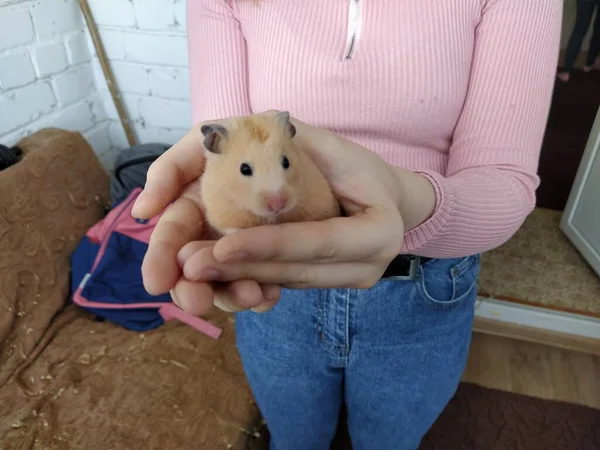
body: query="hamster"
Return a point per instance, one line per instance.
(256, 174)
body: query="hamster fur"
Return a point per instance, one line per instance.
(255, 174)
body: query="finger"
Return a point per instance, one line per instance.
(329, 151)
(181, 223)
(267, 305)
(202, 267)
(321, 145)
(328, 241)
(239, 295)
(196, 299)
(170, 173)
(271, 292)
(190, 248)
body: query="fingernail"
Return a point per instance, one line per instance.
(240, 256)
(136, 205)
(271, 292)
(271, 295)
(174, 298)
(209, 275)
(223, 306)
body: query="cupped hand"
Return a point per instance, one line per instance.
(351, 251)
(172, 183)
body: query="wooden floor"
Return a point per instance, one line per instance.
(534, 369)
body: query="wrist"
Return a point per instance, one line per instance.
(414, 196)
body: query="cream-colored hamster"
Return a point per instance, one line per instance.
(256, 174)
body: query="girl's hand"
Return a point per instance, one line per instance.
(351, 251)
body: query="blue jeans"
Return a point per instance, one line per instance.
(394, 353)
(585, 12)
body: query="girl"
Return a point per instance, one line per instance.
(427, 118)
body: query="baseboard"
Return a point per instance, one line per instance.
(536, 324)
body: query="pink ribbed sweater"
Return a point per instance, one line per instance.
(458, 90)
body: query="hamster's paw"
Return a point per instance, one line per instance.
(230, 230)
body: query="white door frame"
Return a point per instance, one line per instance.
(592, 151)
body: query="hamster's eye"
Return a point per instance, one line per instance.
(285, 163)
(246, 170)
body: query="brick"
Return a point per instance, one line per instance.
(170, 83)
(99, 138)
(154, 14)
(96, 103)
(24, 105)
(11, 139)
(49, 59)
(76, 117)
(16, 28)
(179, 10)
(156, 49)
(74, 85)
(113, 44)
(109, 105)
(119, 13)
(131, 78)
(77, 49)
(112, 41)
(16, 70)
(117, 135)
(54, 18)
(90, 44)
(130, 104)
(167, 136)
(165, 113)
(99, 78)
(108, 158)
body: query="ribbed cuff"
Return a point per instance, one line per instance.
(444, 204)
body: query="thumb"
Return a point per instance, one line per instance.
(169, 174)
(321, 146)
(359, 192)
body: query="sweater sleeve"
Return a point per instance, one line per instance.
(217, 61)
(489, 187)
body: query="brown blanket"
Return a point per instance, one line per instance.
(69, 382)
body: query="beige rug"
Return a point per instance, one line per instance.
(540, 266)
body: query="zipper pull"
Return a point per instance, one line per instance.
(353, 29)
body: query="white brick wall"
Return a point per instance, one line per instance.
(46, 73)
(50, 74)
(145, 42)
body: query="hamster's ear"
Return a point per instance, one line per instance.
(213, 134)
(283, 117)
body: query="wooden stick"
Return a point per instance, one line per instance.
(110, 79)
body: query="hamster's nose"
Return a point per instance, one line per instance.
(275, 202)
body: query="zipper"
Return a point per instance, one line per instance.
(354, 28)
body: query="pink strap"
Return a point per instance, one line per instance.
(172, 311)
